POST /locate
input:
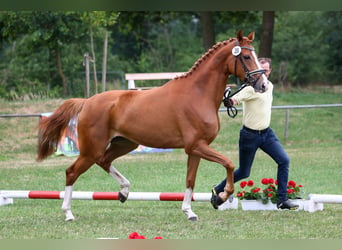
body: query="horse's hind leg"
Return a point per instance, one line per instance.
(81, 165)
(119, 146)
(123, 182)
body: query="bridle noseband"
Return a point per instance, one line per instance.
(249, 79)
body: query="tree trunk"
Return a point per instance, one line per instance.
(265, 48)
(60, 71)
(208, 32)
(104, 62)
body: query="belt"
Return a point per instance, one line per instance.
(255, 131)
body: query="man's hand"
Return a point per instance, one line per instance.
(229, 102)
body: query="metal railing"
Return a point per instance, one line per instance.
(287, 112)
(286, 107)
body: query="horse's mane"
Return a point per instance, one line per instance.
(204, 57)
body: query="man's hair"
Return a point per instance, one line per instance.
(265, 59)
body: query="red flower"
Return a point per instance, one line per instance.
(135, 235)
(239, 194)
(290, 191)
(243, 184)
(264, 181)
(158, 238)
(291, 183)
(269, 192)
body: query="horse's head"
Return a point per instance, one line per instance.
(246, 65)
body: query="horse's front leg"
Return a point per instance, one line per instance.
(204, 151)
(193, 162)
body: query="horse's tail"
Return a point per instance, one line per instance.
(50, 129)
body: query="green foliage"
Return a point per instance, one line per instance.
(34, 47)
(31, 41)
(160, 41)
(299, 42)
(174, 48)
(100, 18)
(331, 24)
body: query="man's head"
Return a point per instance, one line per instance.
(265, 63)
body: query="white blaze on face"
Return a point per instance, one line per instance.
(264, 78)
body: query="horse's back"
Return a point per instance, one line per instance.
(141, 116)
(160, 117)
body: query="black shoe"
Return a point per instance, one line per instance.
(287, 205)
(215, 199)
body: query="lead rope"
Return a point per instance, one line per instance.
(231, 109)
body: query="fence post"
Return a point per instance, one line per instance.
(287, 116)
(86, 64)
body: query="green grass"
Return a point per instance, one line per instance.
(314, 146)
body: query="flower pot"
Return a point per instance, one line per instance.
(229, 205)
(257, 205)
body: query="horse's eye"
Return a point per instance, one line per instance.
(247, 57)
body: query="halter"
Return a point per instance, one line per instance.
(249, 80)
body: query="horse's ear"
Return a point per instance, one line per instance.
(251, 36)
(239, 35)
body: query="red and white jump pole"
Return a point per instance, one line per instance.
(313, 204)
(7, 196)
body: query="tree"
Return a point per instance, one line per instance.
(99, 20)
(331, 23)
(299, 41)
(208, 32)
(52, 30)
(265, 48)
(156, 41)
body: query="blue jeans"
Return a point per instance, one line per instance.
(268, 142)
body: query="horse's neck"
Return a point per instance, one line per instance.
(211, 76)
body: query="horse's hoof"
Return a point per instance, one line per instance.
(194, 218)
(122, 198)
(70, 219)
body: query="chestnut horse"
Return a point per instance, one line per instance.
(183, 113)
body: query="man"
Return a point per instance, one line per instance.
(256, 133)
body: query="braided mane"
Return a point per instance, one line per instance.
(204, 57)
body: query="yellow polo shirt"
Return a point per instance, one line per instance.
(256, 107)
